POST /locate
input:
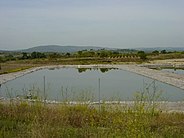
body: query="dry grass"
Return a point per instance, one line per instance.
(36, 120)
(14, 66)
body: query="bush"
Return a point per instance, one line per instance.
(142, 55)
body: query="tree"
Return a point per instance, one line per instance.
(37, 55)
(164, 51)
(79, 53)
(54, 55)
(115, 53)
(67, 54)
(142, 55)
(9, 57)
(1, 59)
(105, 53)
(155, 52)
(33, 55)
(24, 55)
(88, 54)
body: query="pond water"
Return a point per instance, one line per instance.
(83, 84)
(176, 71)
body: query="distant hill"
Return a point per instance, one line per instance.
(70, 49)
(60, 49)
(5, 51)
(169, 49)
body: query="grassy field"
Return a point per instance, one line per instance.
(10, 67)
(24, 119)
(15, 66)
(44, 121)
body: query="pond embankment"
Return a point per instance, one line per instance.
(176, 80)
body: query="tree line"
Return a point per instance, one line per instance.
(83, 54)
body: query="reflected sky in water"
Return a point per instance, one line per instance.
(83, 84)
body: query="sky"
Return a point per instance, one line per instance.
(105, 23)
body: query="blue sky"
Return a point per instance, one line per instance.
(106, 23)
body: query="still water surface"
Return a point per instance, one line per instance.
(176, 71)
(81, 84)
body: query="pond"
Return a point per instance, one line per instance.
(88, 84)
(176, 71)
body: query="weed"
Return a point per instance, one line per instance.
(83, 120)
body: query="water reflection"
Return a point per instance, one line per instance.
(176, 71)
(80, 70)
(71, 84)
(103, 70)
